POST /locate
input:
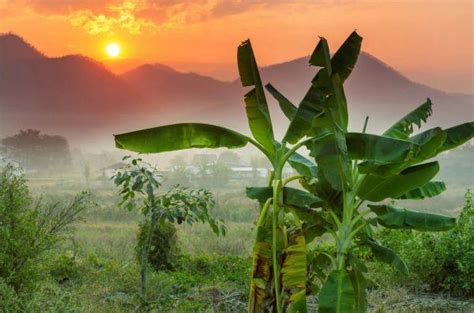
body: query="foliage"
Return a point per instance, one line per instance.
(445, 261)
(139, 186)
(27, 230)
(349, 170)
(36, 151)
(163, 245)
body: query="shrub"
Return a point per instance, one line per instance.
(443, 261)
(27, 231)
(163, 245)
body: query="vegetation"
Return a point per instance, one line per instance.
(94, 268)
(29, 231)
(164, 248)
(350, 169)
(139, 185)
(39, 152)
(442, 261)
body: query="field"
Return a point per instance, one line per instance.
(94, 268)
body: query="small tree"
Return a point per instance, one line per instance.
(29, 228)
(139, 186)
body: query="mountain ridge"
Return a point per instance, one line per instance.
(80, 97)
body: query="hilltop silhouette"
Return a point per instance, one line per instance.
(80, 98)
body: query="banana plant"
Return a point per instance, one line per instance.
(278, 281)
(352, 168)
(359, 168)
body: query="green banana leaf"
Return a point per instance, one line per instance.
(293, 273)
(404, 127)
(291, 196)
(386, 255)
(342, 64)
(333, 162)
(180, 136)
(377, 188)
(321, 57)
(425, 146)
(255, 102)
(288, 108)
(457, 135)
(345, 58)
(302, 165)
(429, 190)
(337, 294)
(359, 284)
(331, 151)
(401, 218)
(380, 149)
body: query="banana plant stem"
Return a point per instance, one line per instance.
(277, 190)
(292, 178)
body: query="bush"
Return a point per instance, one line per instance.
(443, 261)
(163, 246)
(26, 231)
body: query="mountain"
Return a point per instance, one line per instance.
(374, 89)
(179, 95)
(14, 48)
(73, 95)
(80, 98)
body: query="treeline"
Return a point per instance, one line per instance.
(37, 152)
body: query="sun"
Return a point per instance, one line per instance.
(113, 50)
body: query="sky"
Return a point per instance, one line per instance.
(430, 41)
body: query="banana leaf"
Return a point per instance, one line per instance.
(429, 190)
(337, 294)
(359, 284)
(401, 218)
(404, 127)
(288, 108)
(457, 135)
(386, 255)
(380, 149)
(291, 196)
(179, 137)
(426, 145)
(255, 101)
(377, 188)
(293, 273)
(261, 296)
(341, 64)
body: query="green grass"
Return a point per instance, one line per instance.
(94, 268)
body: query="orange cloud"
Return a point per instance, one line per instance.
(118, 17)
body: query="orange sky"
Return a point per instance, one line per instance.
(430, 41)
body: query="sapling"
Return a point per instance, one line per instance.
(139, 185)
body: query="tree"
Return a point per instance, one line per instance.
(36, 151)
(352, 168)
(139, 186)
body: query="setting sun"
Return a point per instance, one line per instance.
(113, 50)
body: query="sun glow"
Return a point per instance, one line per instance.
(113, 50)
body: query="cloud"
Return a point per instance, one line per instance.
(120, 16)
(138, 16)
(232, 7)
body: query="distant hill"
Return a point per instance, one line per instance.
(80, 98)
(374, 89)
(71, 95)
(14, 48)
